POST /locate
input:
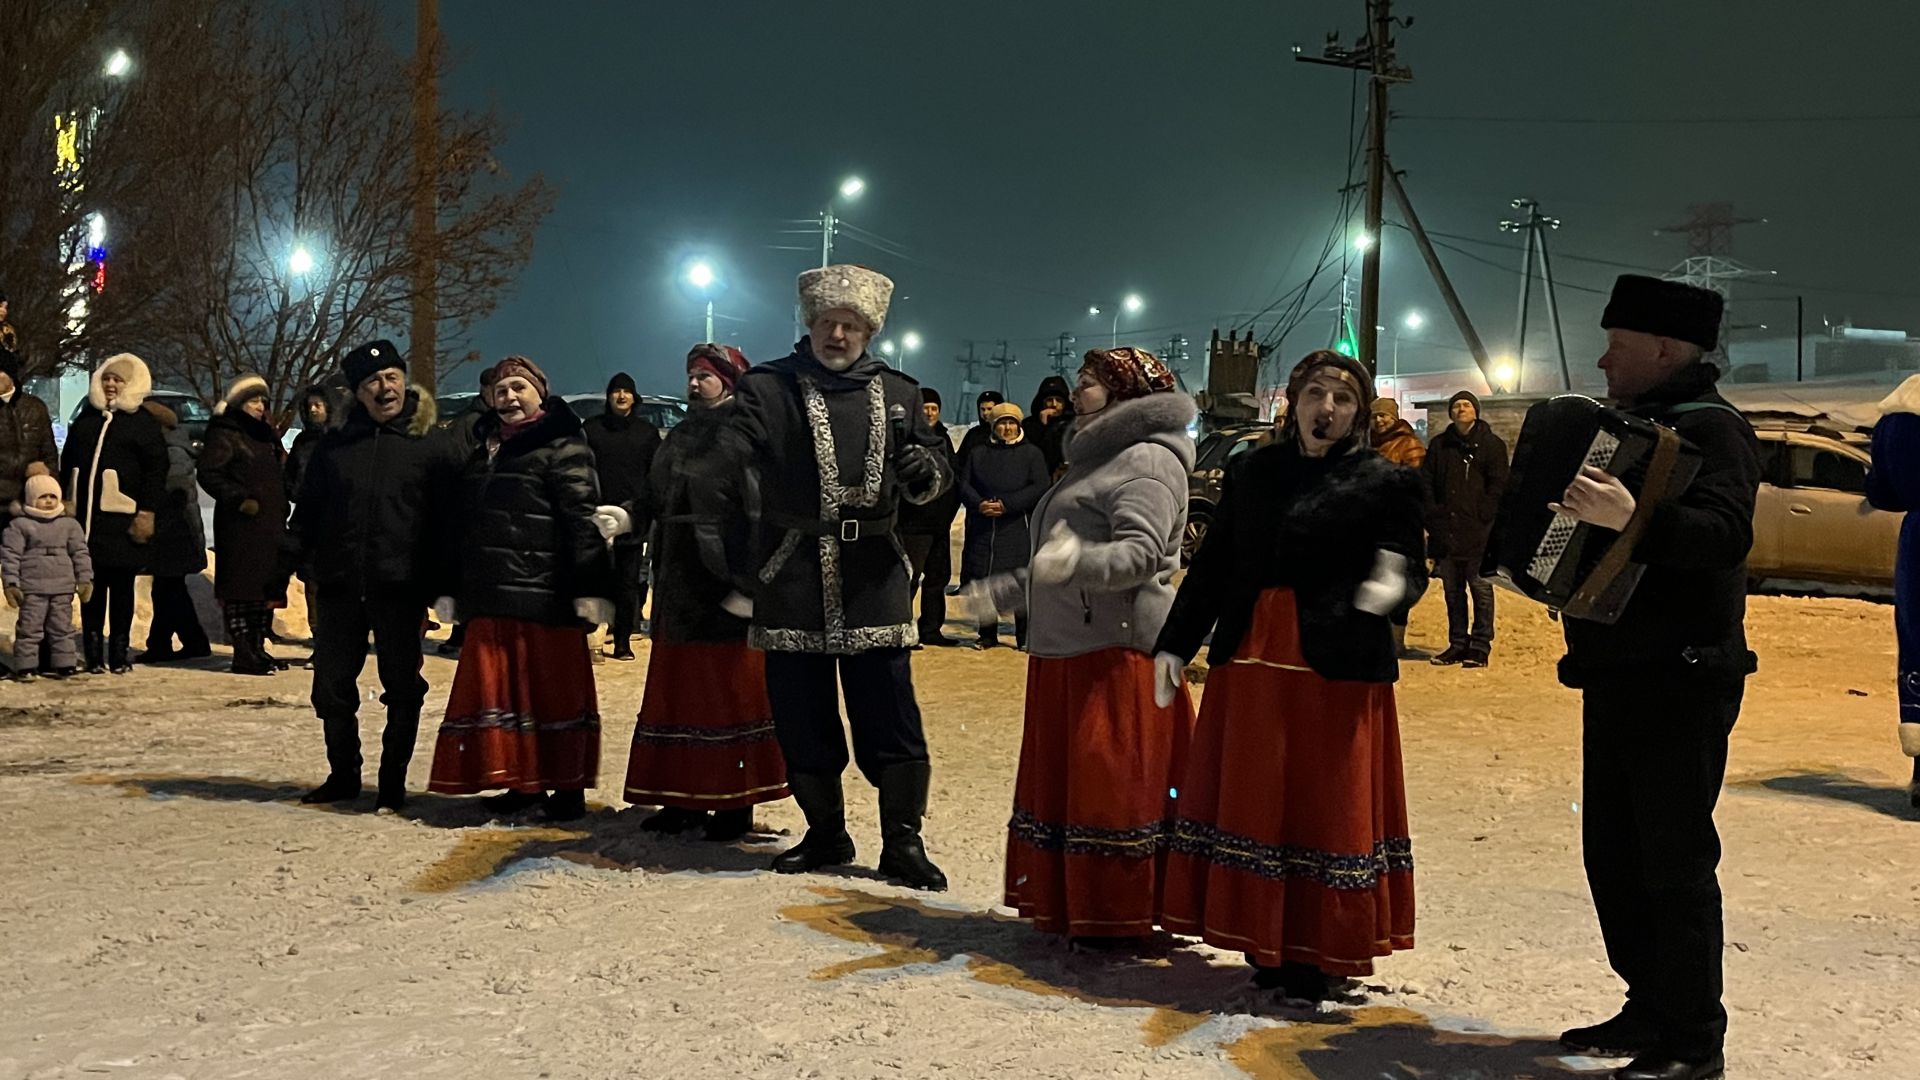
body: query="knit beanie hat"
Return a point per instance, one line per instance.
(621, 381)
(42, 484)
(929, 396)
(1465, 395)
(526, 369)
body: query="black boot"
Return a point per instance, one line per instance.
(262, 627)
(729, 825)
(903, 799)
(246, 651)
(93, 647)
(337, 789)
(119, 656)
(565, 805)
(1664, 1066)
(622, 650)
(393, 786)
(826, 842)
(1624, 1036)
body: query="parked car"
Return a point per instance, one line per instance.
(1210, 460)
(1812, 521)
(662, 412)
(193, 413)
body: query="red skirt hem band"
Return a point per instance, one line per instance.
(704, 739)
(523, 714)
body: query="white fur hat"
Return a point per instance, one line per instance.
(244, 388)
(854, 288)
(135, 382)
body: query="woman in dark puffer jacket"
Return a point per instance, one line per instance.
(244, 468)
(534, 579)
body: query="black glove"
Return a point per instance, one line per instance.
(916, 467)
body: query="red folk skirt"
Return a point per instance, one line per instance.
(523, 714)
(1292, 840)
(1094, 799)
(705, 736)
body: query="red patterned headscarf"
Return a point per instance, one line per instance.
(1128, 372)
(724, 362)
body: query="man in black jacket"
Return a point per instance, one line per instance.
(1047, 422)
(26, 434)
(623, 445)
(1662, 689)
(367, 528)
(980, 434)
(831, 439)
(1466, 471)
(927, 533)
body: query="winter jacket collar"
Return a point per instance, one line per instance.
(1475, 437)
(1400, 429)
(1160, 418)
(1904, 399)
(1690, 383)
(557, 421)
(416, 417)
(250, 426)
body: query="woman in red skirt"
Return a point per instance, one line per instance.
(1100, 758)
(704, 749)
(534, 577)
(1291, 843)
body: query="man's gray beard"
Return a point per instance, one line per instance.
(837, 364)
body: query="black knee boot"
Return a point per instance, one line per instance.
(903, 799)
(246, 651)
(826, 842)
(93, 648)
(119, 655)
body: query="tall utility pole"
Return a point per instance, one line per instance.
(1454, 307)
(1709, 265)
(1536, 225)
(1176, 354)
(426, 174)
(971, 378)
(1061, 354)
(1373, 54)
(1002, 359)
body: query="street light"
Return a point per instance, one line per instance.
(1131, 306)
(118, 64)
(1414, 320)
(700, 274)
(1362, 242)
(1503, 373)
(911, 340)
(850, 189)
(301, 261)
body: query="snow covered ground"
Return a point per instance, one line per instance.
(170, 911)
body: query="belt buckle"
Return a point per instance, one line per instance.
(850, 531)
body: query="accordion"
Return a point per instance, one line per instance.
(1581, 570)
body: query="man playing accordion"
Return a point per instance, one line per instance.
(1662, 688)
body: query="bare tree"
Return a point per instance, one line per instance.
(308, 251)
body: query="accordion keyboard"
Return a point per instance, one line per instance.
(1553, 545)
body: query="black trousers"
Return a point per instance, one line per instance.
(110, 611)
(881, 710)
(339, 654)
(1461, 578)
(1654, 763)
(174, 616)
(932, 559)
(629, 589)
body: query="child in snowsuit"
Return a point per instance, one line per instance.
(44, 560)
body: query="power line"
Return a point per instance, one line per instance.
(1661, 121)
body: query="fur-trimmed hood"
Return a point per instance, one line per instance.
(421, 413)
(133, 371)
(1159, 418)
(1904, 399)
(245, 387)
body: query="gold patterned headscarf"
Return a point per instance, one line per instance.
(1128, 372)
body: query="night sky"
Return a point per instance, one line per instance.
(1031, 158)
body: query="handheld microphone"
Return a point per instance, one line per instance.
(902, 435)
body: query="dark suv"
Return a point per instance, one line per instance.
(1210, 460)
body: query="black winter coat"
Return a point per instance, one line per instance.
(623, 453)
(1051, 438)
(114, 466)
(242, 463)
(529, 548)
(817, 452)
(690, 575)
(1466, 475)
(1685, 626)
(977, 436)
(179, 544)
(1312, 525)
(26, 436)
(375, 512)
(1017, 475)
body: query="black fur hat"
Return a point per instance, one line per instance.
(1669, 309)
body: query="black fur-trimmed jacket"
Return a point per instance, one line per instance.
(1312, 525)
(375, 506)
(528, 547)
(690, 575)
(812, 492)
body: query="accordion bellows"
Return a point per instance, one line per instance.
(1581, 570)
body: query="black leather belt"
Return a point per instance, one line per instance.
(848, 530)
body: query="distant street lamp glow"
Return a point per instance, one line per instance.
(887, 347)
(300, 262)
(1134, 304)
(1093, 309)
(700, 275)
(1363, 242)
(1415, 320)
(851, 187)
(1503, 374)
(96, 230)
(910, 340)
(119, 63)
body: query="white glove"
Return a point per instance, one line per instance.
(446, 610)
(1386, 587)
(593, 609)
(738, 605)
(1910, 740)
(1054, 563)
(975, 602)
(612, 521)
(1168, 672)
